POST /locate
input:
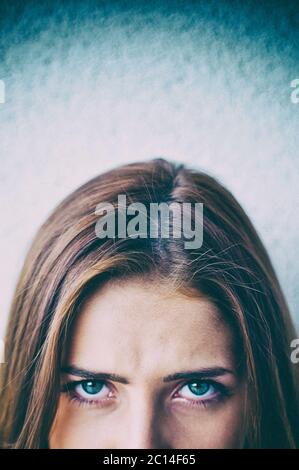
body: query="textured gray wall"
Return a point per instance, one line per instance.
(89, 85)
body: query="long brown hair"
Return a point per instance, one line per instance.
(67, 260)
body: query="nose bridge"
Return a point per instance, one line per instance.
(145, 421)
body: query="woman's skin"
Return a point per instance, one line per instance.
(144, 333)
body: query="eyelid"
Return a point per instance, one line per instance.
(213, 382)
(72, 384)
(221, 389)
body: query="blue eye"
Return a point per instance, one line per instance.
(91, 390)
(88, 391)
(99, 393)
(92, 387)
(200, 392)
(199, 388)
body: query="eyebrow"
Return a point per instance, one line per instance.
(205, 373)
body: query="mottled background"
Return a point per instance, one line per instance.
(92, 84)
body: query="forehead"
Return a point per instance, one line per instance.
(137, 327)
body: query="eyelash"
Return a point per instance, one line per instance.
(221, 392)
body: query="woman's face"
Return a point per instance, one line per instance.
(149, 368)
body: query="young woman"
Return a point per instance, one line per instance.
(140, 342)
